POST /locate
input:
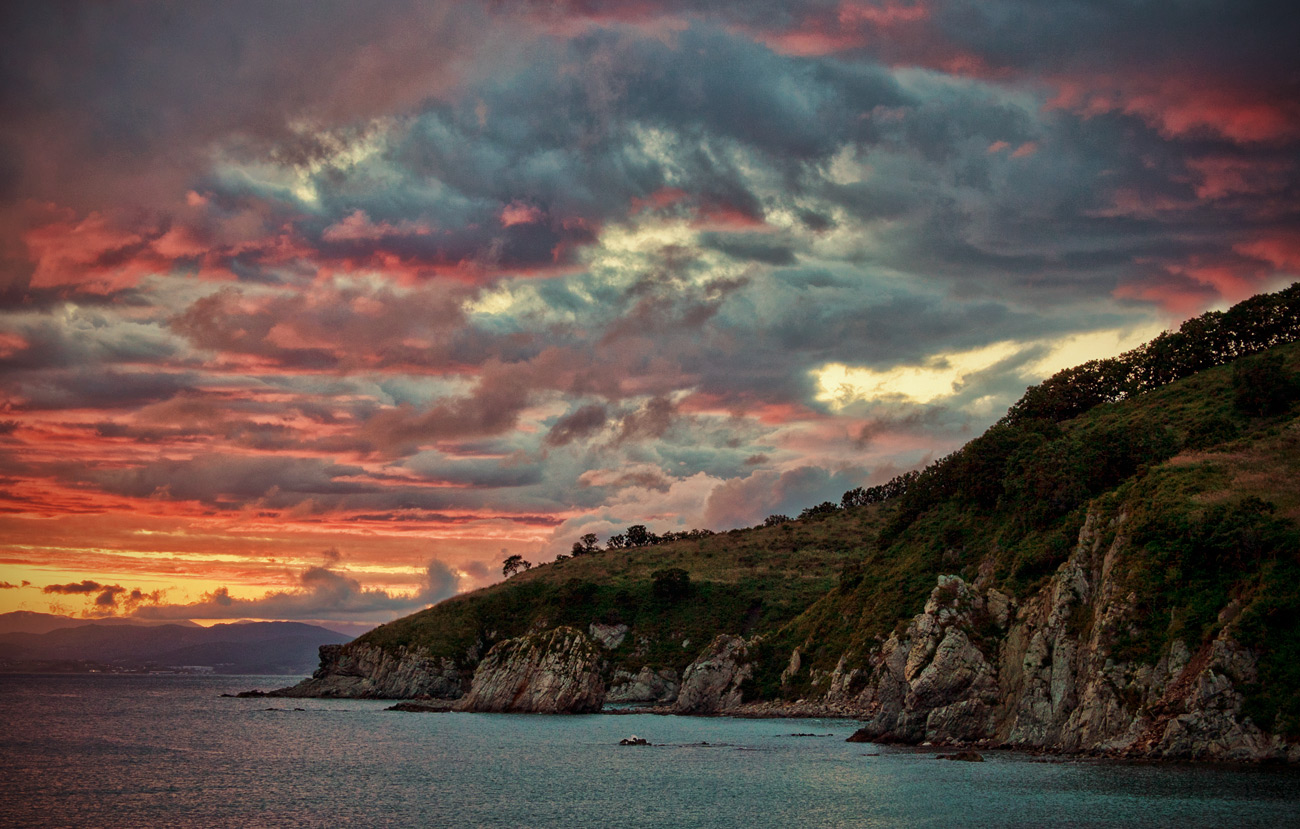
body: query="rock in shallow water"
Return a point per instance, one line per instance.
(963, 756)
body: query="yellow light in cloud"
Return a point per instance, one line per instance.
(1080, 348)
(939, 376)
(943, 375)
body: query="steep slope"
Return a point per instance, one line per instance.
(1129, 585)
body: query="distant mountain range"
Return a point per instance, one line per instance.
(27, 621)
(39, 641)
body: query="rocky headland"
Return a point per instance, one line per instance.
(975, 668)
(1110, 570)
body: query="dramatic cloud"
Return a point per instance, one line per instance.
(323, 594)
(277, 279)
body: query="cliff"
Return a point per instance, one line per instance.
(554, 672)
(363, 671)
(973, 667)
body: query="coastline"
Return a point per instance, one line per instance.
(803, 710)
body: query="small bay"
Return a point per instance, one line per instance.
(167, 750)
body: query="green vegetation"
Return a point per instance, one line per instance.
(675, 596)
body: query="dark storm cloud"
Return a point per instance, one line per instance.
(581, 423)
(649, 422)
(528, 167)
(199, 75)
(85, 337)
(750, 247)
(486, 474)
(234, 480)
(79, 588)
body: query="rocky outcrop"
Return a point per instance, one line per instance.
(711, 683)
(933, 682)
(648, 686)
(553, 672)
(609, 636)
(974, 667)
(359, 671)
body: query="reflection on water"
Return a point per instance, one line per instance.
(107, 750)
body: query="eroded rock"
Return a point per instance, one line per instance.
(647, 685)
(712, 682)
(609, 636)
(552, 672)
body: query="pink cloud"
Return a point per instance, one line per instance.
(1182, 106)
(357, 226)
(520, 213)
(1223, 176)
(851, 25)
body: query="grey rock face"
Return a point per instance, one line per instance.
(647, 685)
(553, 672)
(932, 681)
(712, 682)
(609, 636)
(1047, 678)
(363, 672)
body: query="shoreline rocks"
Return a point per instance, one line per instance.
(711, 684)
(358, 671)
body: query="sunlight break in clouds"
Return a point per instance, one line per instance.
(945, 375)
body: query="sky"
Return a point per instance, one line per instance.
(319, 310)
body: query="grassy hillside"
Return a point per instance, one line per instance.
(744, 581)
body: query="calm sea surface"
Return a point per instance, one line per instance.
(96, 750)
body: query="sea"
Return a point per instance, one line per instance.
(107, 750)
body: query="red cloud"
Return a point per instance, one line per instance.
(93, 253)
(1224, 176)
(358, 227)
(1190, 286)
(851, 25)
(1182, 106)
(1280, 249)
(519, 213)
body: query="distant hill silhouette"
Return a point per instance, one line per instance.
(27, 621)
(243, 648)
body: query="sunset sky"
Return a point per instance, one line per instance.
(319, 310)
